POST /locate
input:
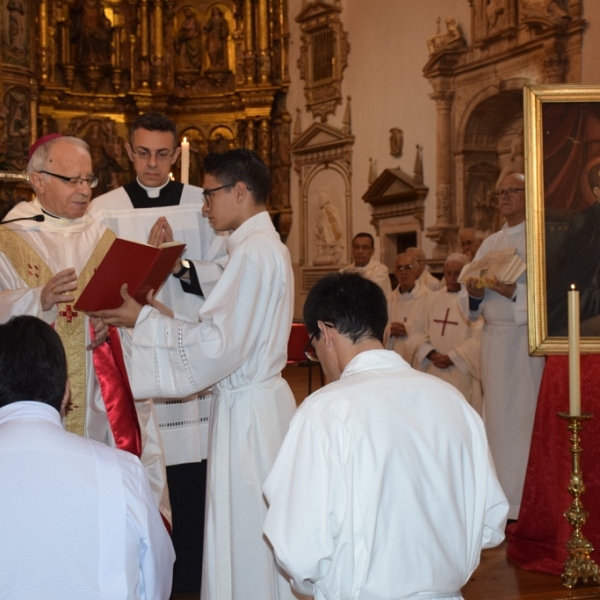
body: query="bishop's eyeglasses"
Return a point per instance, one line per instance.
(92, 181)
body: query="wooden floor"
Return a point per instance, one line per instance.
(496, 578)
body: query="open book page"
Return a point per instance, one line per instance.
(505, 265)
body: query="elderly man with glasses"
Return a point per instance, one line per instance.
(49, 249)
(154, 209)
(510, 377)
(403, 303)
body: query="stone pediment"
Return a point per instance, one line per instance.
(315, 10)
(319, 137)
(394, 185)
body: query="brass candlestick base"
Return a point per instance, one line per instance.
(579, 564)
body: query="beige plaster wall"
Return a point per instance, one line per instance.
(384, 77)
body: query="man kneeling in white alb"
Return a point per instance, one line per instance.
(77, 517)
(384, 486)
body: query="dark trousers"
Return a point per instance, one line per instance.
(187, 490)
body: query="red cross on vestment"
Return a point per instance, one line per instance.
(33, 270)
(445, 321)
(68, 314)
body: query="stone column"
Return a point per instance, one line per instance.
(444, 230)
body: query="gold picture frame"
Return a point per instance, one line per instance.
(562, 173)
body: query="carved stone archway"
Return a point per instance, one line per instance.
(477, 88)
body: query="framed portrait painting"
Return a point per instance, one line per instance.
(562, 171)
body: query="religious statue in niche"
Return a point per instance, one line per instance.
(111, 163)
(188, 43)
(484, 205)
(91, 33)
(495, 13)
(18, 128)
(16, 26)
(516, 158)
(217, 32)
(221, 139)
(328, 232)
(453, 38)
(554, 10)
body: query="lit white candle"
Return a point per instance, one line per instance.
(185, 161)
(574, 370)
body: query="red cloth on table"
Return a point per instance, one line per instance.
(537, 540)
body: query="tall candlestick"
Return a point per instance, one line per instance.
(574, 371)
(185, 161)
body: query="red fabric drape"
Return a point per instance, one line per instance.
(116, 393)
(537, 541)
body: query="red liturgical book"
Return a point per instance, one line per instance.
(141, 267)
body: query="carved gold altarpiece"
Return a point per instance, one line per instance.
(478, 92)
(219, 69)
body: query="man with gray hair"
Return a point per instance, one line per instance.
(424, 277)
(470, 240)
(448, 344)
(403, 303)
(48, 253)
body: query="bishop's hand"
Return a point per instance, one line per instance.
(58, 288)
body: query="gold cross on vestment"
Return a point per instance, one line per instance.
(68, 314)
(445, 321)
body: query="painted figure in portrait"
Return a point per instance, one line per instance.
(571, 148)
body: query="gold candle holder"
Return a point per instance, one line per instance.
(579, 564)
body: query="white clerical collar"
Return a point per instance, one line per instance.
(153, 192)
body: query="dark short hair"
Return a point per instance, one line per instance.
(154, 121)
(240, 164)
(33, 364)
(355, 306)
(367, 235)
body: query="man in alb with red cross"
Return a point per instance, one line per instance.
(47, 255)
(448, 344)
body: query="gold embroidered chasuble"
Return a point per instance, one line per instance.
(70, 324)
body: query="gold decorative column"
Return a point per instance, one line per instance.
(159, 50)
(44, 50)
(144, 45)
(264, 60)
(249, 35)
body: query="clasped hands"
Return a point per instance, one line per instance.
(441, 361)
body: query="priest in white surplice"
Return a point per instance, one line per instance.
(424, 277)
(153, 209)
(240, 345)
(384, 486)
(363, 248)
(450, 344)
(78, 519)
(403, 302)
(510, 377)
(44, 266)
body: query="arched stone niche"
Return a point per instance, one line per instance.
(322, 157)
(478, 90)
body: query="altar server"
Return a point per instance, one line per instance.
(240, 346)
